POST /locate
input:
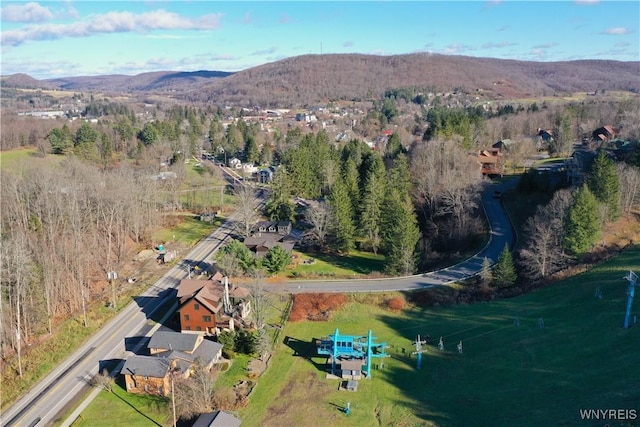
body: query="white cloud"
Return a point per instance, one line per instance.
(348, 43)
(29, 12)
(246, 19)
(545, 46)
(268, 51)
(587, 2)
(457, 48)
(503, 28)
(498, 45)
(616, 31)
(285, 19)
(113, 22)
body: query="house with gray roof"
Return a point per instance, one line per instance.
(148, 374)
(217, 419)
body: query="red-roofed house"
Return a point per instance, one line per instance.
(209, 306)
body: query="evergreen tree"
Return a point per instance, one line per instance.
(504, 272)
(400, 233)
(343, 212)
(583, 224)
(350, 177)
(371, 215)
(604, 183)
(279, 206)
(276, 259)
(251, 152)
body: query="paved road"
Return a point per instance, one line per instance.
(501, 233)
(41, 405)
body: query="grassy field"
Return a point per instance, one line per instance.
(354, 264)
(123, 409)
(189, 230)
(26, 158)
(512, 373)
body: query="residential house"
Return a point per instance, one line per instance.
(546, 136)
(235, 163)
(268, 234)
(148, 374)
(217, 419)
(185, 349)
(266, 175)
(490, 162)
(209, 306)
(604, 133)
(171, 353)
(503, 145)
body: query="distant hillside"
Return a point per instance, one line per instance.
(319, 78)
(24, 81)
(312, 79)
(146, 82)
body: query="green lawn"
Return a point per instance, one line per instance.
(353, 264)
(123, 409)
(24, 158)
(508, 375)
(190, 231)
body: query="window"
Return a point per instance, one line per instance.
(160, 389)
(146, 378)
(198, 328)
(188, 328)
(196, 306)
(146, 388)
(186, 317)
(206, 318)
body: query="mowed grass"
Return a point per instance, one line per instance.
(353, 264)
(508, 374)
(120, 408)
(190, 231)
(26, 158)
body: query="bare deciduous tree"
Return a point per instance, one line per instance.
(194, 395)
(629, 186)
(320, 216)
(543, 254)
(246, 208)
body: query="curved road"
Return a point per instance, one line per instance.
(67, 382)
(501, 233)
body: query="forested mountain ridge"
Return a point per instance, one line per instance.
(320, 78)
(310, 79)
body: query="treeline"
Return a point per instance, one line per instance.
(62, 230)
(360, 197)
(571, 224)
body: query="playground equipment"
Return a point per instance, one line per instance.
(633, 281)
(351, 347)
(419, 350)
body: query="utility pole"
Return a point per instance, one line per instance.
(111, 276)
(419, 350)
(633, 281)
(173, 400)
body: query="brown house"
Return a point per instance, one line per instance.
(172, 353)
(491, 162)
(604, 133)
(148, 374)
(208, 306)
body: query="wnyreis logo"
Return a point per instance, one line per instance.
(608, 414)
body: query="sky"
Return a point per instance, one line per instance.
(50, 39)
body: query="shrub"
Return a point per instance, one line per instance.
(315, 306)
(396, 304)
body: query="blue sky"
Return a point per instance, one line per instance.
(49, 39)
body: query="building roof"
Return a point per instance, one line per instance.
(170, 340)
(207, 351)
(146, 366)
(217, 419)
